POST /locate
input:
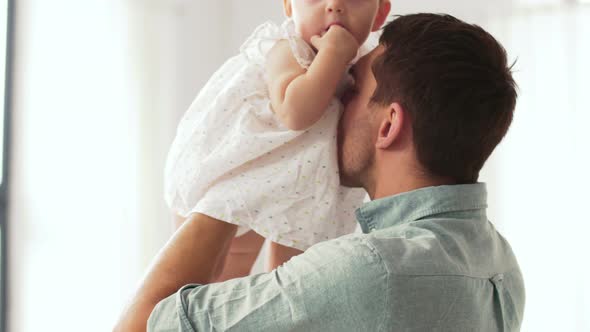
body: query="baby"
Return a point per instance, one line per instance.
(258, 146)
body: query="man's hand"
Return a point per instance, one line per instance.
(338, 40)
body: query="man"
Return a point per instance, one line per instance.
(431, 104)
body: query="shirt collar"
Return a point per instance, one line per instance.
(413, 205)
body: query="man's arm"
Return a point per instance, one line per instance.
(338, 285)
(195, 254)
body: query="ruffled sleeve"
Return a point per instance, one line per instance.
(303, 53)
(257, 46)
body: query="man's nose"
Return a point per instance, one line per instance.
(335, 6)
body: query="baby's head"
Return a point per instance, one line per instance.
(359, 17)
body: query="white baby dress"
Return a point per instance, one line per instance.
(232, 159)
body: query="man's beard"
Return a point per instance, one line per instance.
(356, 152)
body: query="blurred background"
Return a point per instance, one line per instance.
(95, 88)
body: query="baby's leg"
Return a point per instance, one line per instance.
(242, 254)
(278, 254)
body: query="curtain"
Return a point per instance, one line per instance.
(539, 176)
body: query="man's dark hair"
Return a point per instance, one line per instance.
(454, 82)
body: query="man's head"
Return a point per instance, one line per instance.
(438, 94)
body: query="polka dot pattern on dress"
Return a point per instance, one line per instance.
(234, 160)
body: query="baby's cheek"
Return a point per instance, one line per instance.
(363, 29)
(306, 33)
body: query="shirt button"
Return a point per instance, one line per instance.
(498, 278)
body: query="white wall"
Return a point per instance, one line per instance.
(541, 169)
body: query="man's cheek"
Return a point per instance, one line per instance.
(342, 125)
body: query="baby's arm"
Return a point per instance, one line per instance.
(299, 97)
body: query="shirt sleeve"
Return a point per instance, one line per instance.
(334, 286)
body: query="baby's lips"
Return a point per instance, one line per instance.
(334, 23)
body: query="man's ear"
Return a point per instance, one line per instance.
(288, 8)
(391, 126)
(382, 14)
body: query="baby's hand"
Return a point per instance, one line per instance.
(338, 40)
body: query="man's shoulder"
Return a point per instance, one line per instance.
(352, 249)
(346, 261)
(342, 278)
(472, 248)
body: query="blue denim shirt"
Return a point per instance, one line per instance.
(428, 260)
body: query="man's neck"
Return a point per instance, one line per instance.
(402, 180)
